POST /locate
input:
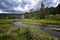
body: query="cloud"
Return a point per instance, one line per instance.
(2, 11)
(51, 3)
(22, 6)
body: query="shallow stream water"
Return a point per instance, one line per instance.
(52, 29)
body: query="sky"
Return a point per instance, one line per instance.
(22, 6)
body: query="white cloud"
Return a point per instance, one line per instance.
(2, 12)
(25, 5)
(51, 3)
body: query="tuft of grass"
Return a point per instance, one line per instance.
(38, 34)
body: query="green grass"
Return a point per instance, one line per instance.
(45, 21)
(37, 34)
(41, 21)
(5, 26)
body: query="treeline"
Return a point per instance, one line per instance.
(45, 13)
(10, 16)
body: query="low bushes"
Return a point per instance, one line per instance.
(54, 17)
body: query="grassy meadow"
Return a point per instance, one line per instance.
(11, 32)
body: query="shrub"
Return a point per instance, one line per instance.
(54, 17)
